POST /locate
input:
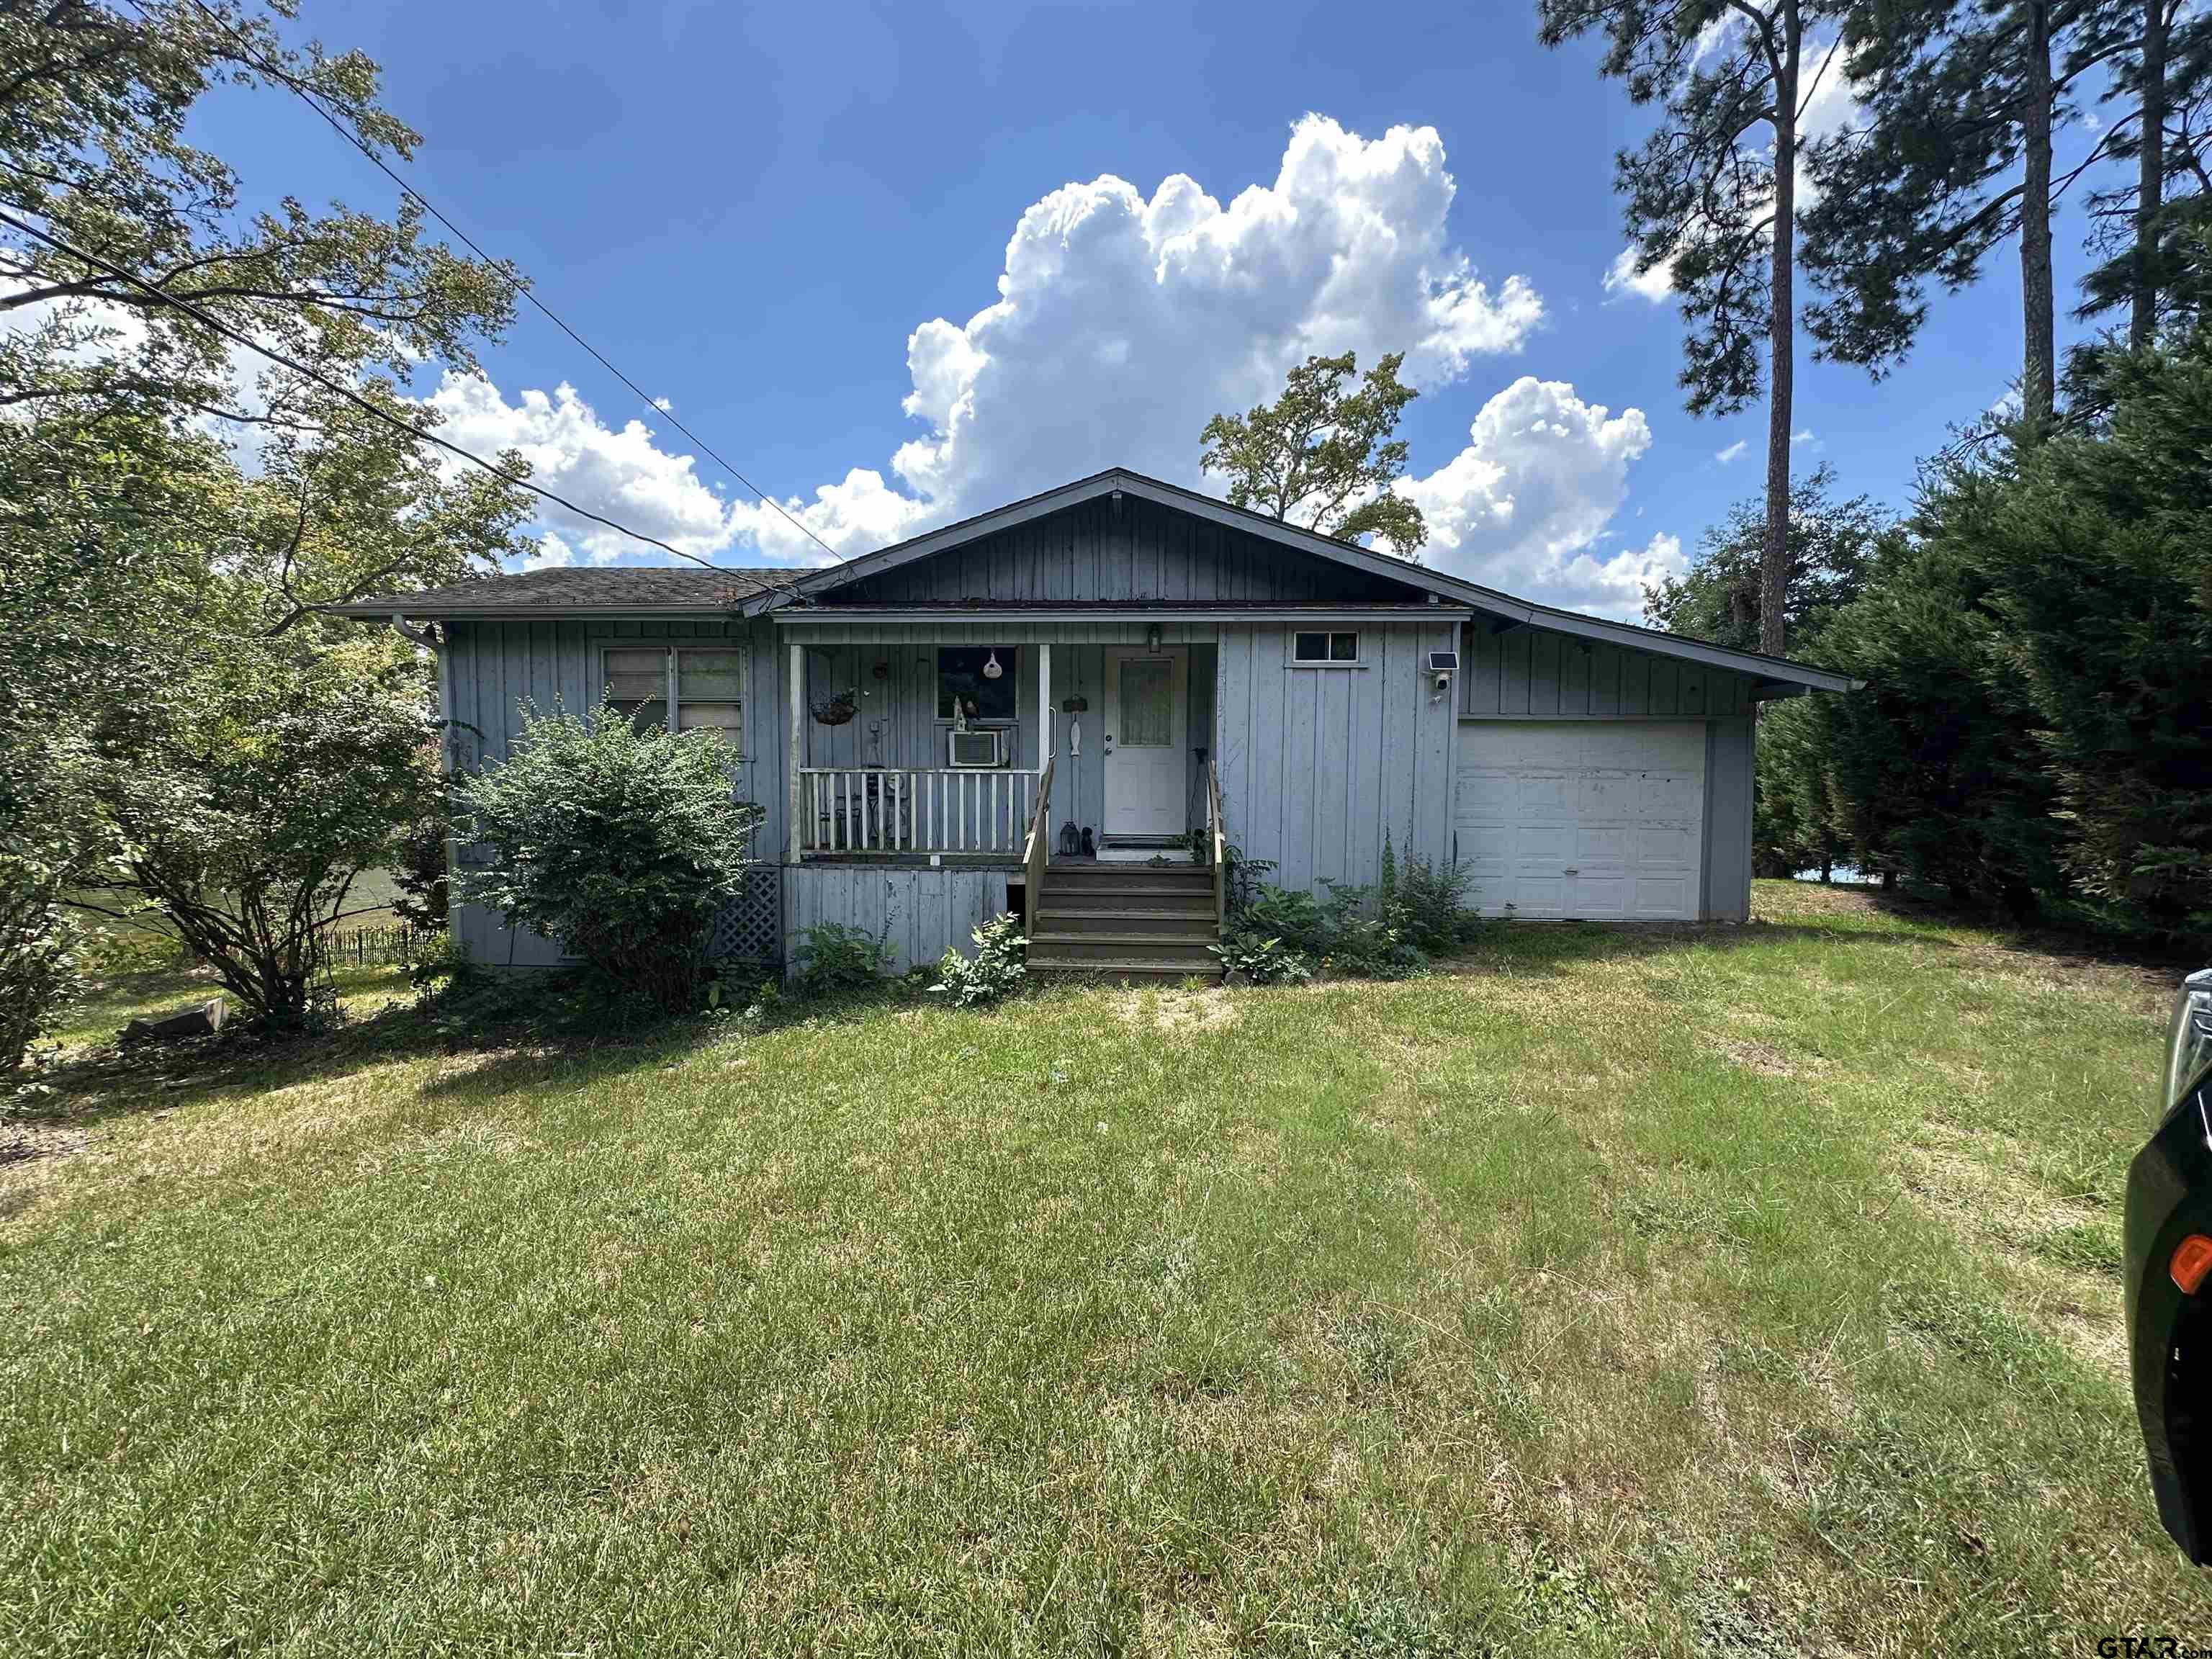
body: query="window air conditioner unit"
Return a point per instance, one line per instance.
(974, 751)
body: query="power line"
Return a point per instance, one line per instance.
(238, 337)
(346, 131)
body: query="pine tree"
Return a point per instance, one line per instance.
(1962, 100)
(1711, 199)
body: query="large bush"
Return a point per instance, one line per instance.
(258, 791)
(620, 842)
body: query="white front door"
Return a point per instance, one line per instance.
(1147, 717)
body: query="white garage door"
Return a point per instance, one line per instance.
(1582, 818)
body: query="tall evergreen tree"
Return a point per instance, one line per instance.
(1711, 199)
(2152, 233)
(1963, 100)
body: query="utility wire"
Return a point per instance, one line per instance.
(239, 337)
(346, 131)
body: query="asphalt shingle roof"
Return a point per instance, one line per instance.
(572, 588)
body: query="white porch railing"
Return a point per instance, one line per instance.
(871, 809)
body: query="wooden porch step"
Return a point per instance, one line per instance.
(1112, 947)
(1179, 901)
(1196, 922)
(1123, 875)
(1127, 968)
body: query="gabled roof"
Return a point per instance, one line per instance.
(670, 590)
(1115, 480)
(581, 590)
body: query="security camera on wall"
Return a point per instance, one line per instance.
(1443, 665)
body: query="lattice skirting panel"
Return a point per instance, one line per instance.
(751, 929)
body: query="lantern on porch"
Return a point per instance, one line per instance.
(1071, 840)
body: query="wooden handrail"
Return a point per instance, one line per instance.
(1037, 852)
(1220, 848)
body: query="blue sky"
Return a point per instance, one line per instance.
(758, 211)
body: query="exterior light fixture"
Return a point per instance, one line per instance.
(1153, 638)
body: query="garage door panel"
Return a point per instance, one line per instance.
(1544, 843)
(1480, 843)
(1582, 818)
(1600, 896)
(1545, 795)
(1671, 795)
(1540, 895)
(1603, 843)
(1606, 795)
(1666, 843)
(1658, 899)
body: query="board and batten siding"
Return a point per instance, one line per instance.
(491, 670)
(1318, 763)
(1541, 675)
(919, 913)
(1124, 550)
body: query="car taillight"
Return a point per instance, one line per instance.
(2192, 1261)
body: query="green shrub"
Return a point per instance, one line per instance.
(1289, 915)
(1434, 899)
(1262, 959)
(836, 960)
(621, 843)
(998, 968)
(1240, 879)
(1367, 936)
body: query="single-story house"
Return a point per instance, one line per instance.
(1065, 705)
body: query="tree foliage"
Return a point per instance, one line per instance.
(620, 842)
(270, 778)
(1710, 199)
(1834, 546)
(2037, 731)
(1321, 454)
(1963, 102)
(171, 512)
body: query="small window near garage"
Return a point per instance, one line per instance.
(1325, 648)
(964, 680)
(707, 682)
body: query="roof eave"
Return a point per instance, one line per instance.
(386, 612)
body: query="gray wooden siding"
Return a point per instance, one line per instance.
(1133, 549)
(897, 724)
(492, 669)
(1318, 763)
(920, 913)
(1731, 756)
(1534, 672)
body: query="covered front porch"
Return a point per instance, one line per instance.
(978, 745)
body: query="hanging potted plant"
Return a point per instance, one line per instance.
(837, 710)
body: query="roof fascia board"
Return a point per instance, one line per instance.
(831, 616)
(523, 613)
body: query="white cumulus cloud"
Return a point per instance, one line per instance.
(1123, 322)
(1541, 474)
(1622, 277)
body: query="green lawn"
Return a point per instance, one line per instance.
(1744, 1290)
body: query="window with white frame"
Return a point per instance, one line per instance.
(680, 687)
(1322, 650)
